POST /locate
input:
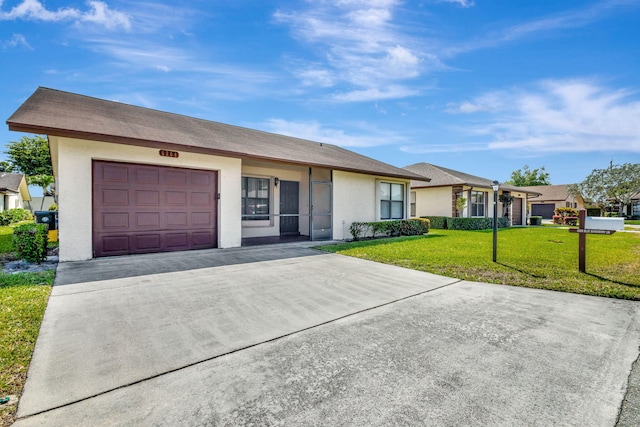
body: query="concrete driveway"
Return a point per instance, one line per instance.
(290, 335)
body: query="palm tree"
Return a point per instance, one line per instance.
(45, 182)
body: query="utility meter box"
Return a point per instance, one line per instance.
(600, 223)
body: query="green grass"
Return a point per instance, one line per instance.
(536, 257)
(6, 237)
(632, 222)
(23, 298)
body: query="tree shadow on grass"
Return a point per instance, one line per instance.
(604, 279)
(521, 271)
(377, 241)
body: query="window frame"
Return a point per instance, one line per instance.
(390, 201)
(244, 199)
(474, 203)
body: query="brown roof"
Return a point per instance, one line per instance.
(10, 182)
(58, 113)
(441, 177)
(551, 192)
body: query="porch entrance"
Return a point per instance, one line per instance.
(289, 202)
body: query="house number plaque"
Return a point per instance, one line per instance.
(167, 153)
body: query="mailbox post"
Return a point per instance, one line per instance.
(593, 225)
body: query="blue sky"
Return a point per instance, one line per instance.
(484, 87)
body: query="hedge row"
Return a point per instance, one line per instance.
(402, 227)
(449, 223)
(11, 216)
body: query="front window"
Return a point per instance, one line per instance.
(391, 200)
(255, 199)
(478, 202)
(635, 211)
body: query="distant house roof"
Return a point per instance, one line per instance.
(550, 193)
(10, 182)
(441, 177)
(65, 114)
(14, 183)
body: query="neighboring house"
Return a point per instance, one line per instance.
(14, 191)
(633, 209)
(439, 196)
(552, 197)
(136, 180)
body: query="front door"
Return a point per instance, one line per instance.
(517, 211)
(289, 202)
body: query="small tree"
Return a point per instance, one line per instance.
(45, 182)
(526, 178)
(461, 202)
(613, 185)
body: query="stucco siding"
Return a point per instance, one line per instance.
(435, 201)
(356, 198)
(73, 172)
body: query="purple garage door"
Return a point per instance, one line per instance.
(141, 209)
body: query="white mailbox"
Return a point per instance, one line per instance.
(600, 223)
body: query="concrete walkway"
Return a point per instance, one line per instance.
(290, 335)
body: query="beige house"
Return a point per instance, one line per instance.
(134, 180)
(439, 196)
(14, 191)
(552, 197)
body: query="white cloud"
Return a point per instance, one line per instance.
(360, 45)
(364, 135)
(377, 93)
(464, 107)
(15, 41)
(444, 148)
(562, 116)
(462, 3)
(98, 13)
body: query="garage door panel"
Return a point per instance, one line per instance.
(115, 197)
(200, 179)
(177, 240)
(200, 199)
(148, 242)
(154, 211)
(177, 219)
(202, 239)
(147, 176)
(115, 174)
(177, 178)
(115, 244)
(176, 198)
(148, 219)
(147, 198)
(115, 220)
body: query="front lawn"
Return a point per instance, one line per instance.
(23, 298)
(540, 257)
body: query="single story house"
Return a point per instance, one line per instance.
(552, 197)
(135, 180)
(439, 196)
(14, 191)
(633, 208)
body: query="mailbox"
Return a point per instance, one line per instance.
(600, 223)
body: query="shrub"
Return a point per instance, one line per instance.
(594, 211)
(53, 207)
(358, 229)
(11, 216)
(566, 212)
(475, 223)
(437, 222)
(30, 241)
(402, 227)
